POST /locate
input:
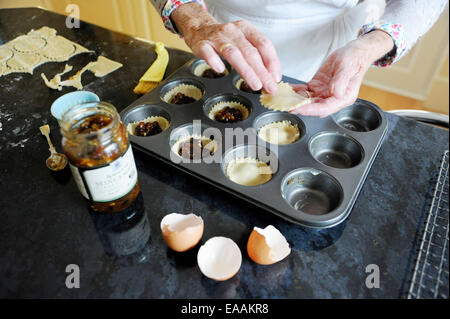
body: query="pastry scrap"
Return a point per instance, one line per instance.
(100, 68)
(281, 133)
(103, 66)
(285, 99)
(183, 94)
(248, 171)
(55, 82)
(194, 147)
(149, 126)
(228, 112)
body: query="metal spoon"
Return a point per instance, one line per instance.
(56, 161)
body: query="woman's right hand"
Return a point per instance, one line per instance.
(248, 51)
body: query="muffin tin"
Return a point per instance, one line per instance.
(318, 177)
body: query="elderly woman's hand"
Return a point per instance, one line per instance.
(336, 84)
(247, 50)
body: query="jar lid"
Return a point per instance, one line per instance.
(67, 101)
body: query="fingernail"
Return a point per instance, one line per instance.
(271, 88)
(218, 65)
(278, 77)
(256, 85)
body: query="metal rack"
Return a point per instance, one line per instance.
(430, 279)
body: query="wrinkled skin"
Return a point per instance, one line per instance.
(247, 50)
(335, 85)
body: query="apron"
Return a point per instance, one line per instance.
(304, 32)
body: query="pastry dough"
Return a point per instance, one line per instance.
(101, 67)
(5, 53)
(55, 82)
(187, 89)
(44, 32)
(28, 44)
(281, 133)
(202, 67)
(162, 121)
(26, 52)
(23, 62)
(58, 49)
(2, 70)
(248, 171)
(207, 143)
(238, 83)
(285, 99)
(221, 105)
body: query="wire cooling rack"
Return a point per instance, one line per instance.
(430, 279)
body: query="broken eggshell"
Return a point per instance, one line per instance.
(182, 232)
(219, 258)
(267, 246)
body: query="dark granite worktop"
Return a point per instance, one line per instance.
(45, 224)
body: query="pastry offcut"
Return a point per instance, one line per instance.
(248, 171)
(281, 133)
(285, 99)
(102, 67)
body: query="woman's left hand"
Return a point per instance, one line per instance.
(336, 84)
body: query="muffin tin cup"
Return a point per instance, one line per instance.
(166, 88)
(336, 150)
(144, 111)
(313, 193)
(350, 138)
(359, 117)
(214, 100)
(193, 65)
(272, 117)
(196, 129)
(257, 152)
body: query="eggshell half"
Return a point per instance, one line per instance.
(182, 232)
(219, 258)
(267, 246)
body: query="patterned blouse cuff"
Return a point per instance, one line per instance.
(396, 31)
(169, 7)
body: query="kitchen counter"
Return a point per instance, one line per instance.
(45, 225)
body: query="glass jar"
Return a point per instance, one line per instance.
(101, 159)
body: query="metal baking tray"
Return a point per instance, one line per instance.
(305, 190)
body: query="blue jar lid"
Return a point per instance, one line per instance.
(67, 101)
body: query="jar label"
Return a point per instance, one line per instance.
(109, 182)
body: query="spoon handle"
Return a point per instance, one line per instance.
(45, 130)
